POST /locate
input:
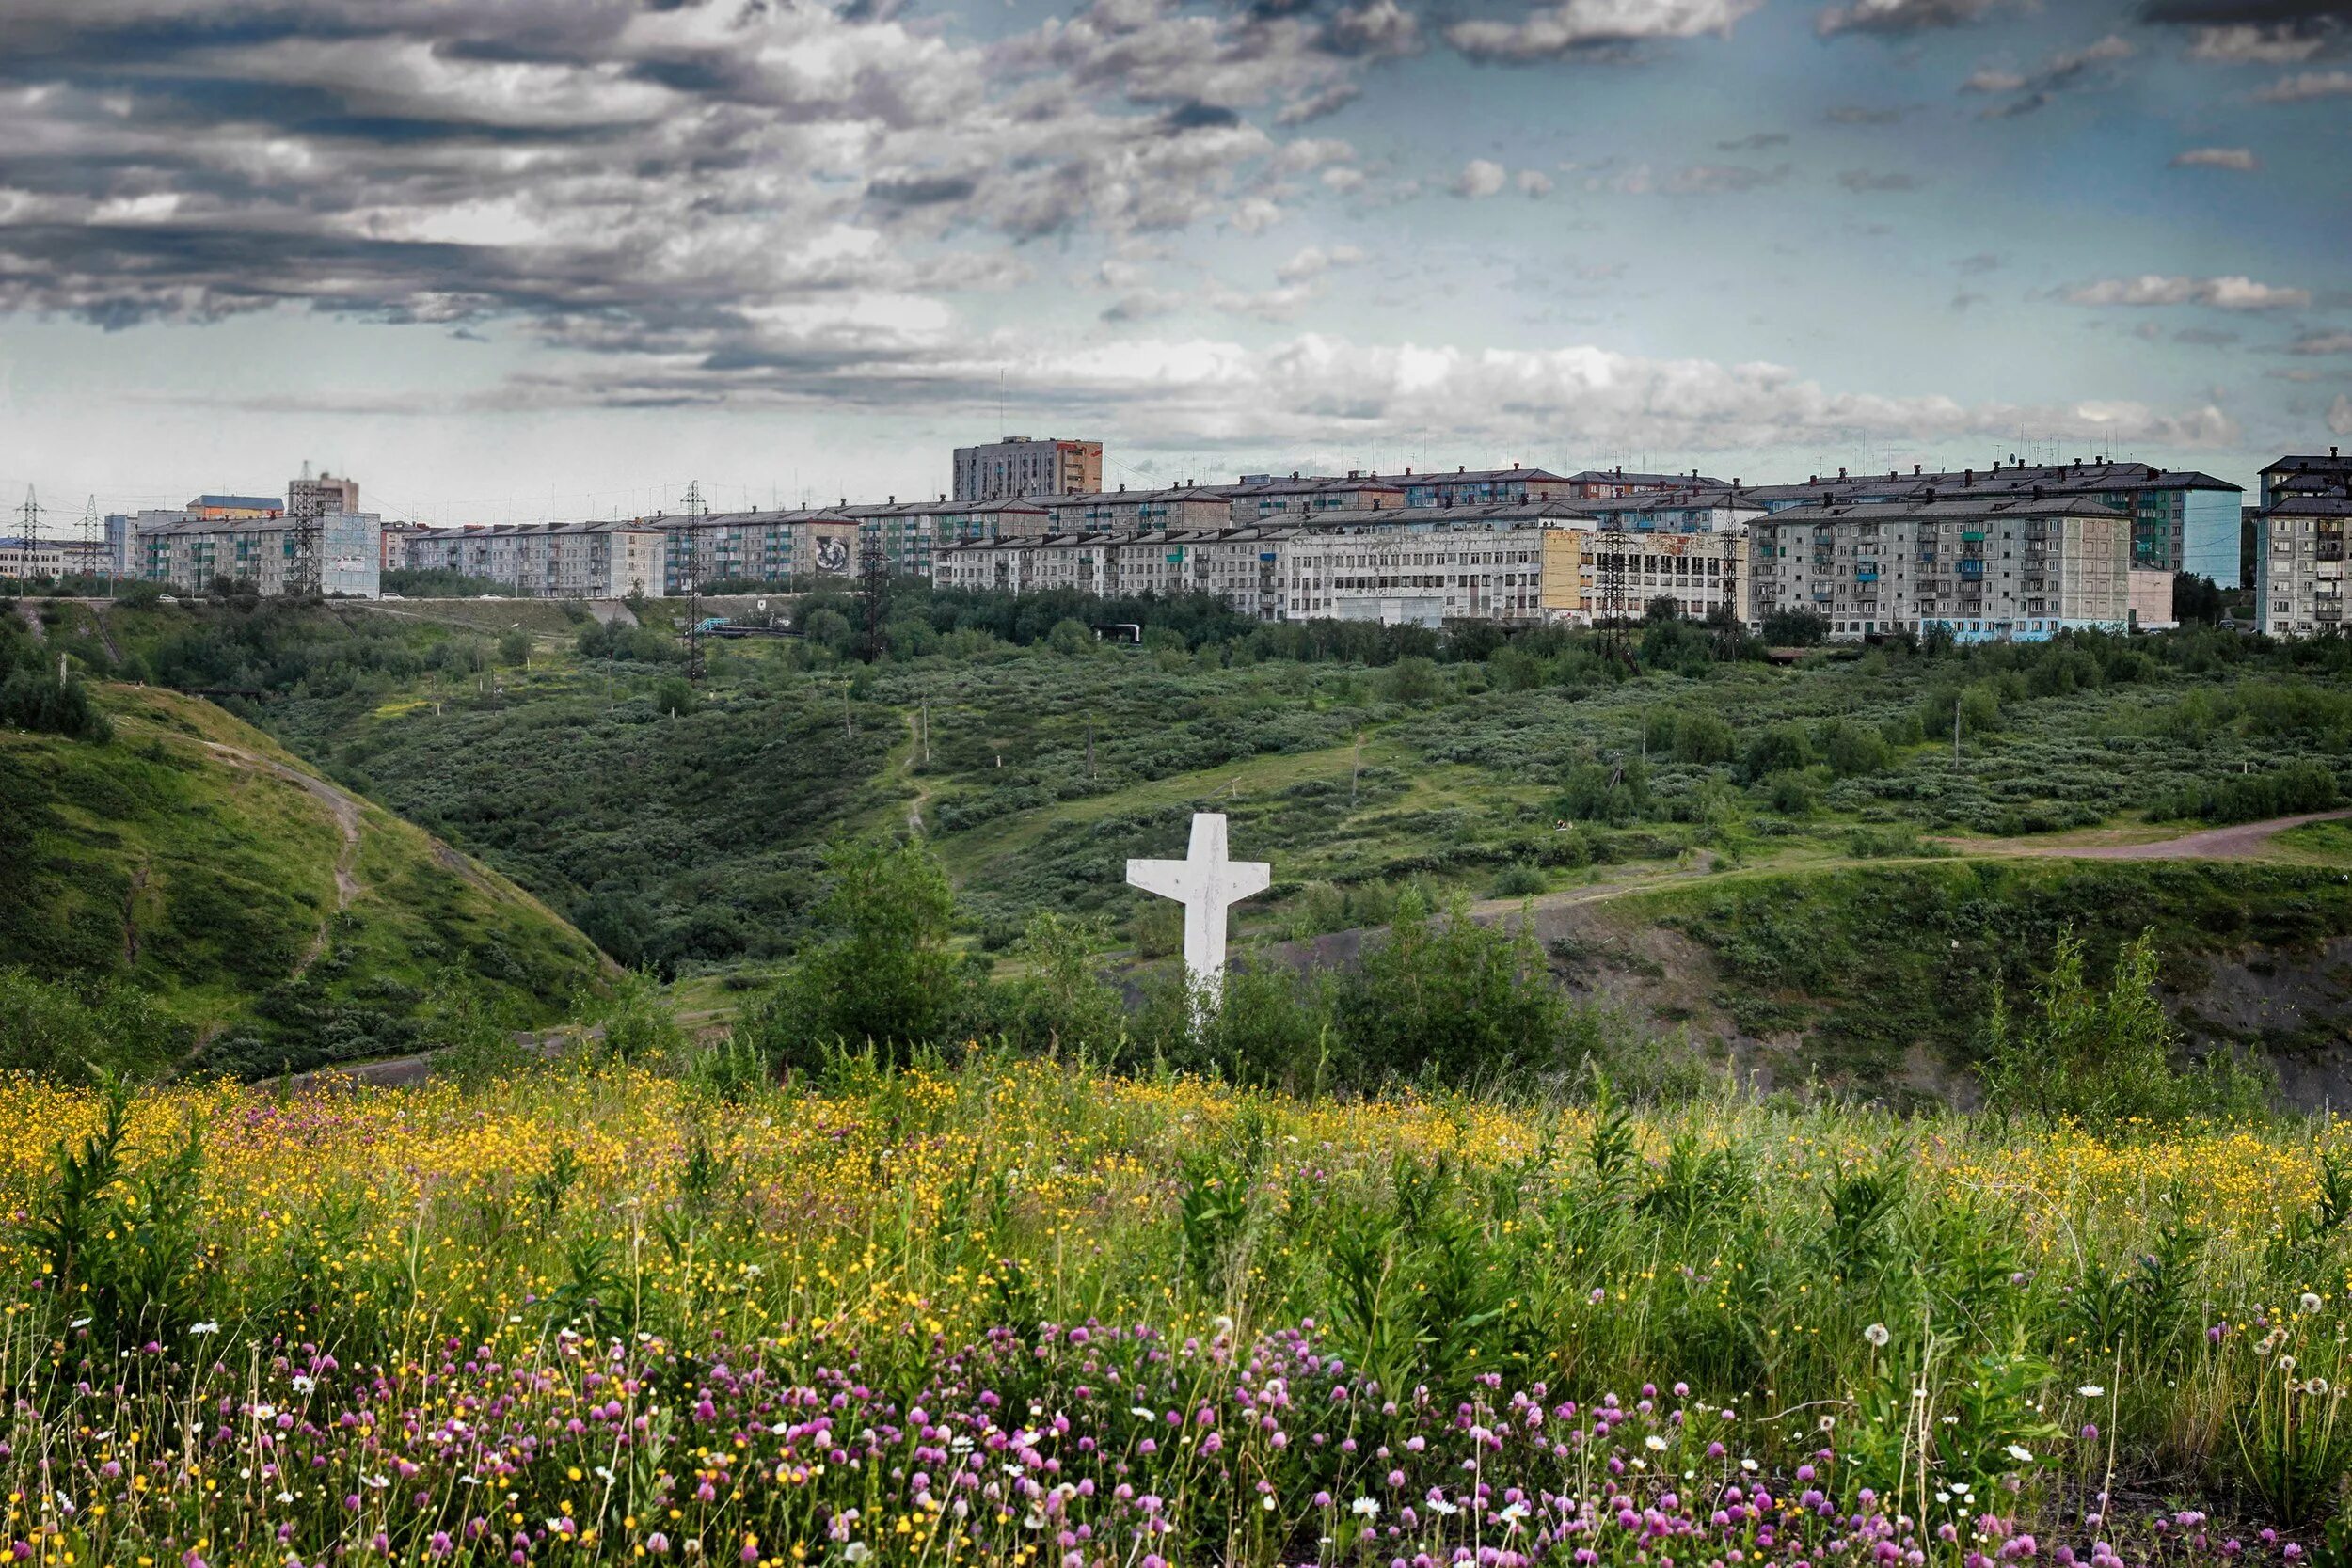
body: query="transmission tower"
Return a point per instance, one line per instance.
(694, 505)
(1609, 593)
(92, 533)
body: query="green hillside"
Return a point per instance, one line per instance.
(274, 919)
(1797, 846)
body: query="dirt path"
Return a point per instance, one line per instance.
(345, 810)
(2242, 841)
(106, 632)
(31, 615)
(922, 790)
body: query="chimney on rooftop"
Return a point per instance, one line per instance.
(2037, 491)
(894, 500)
(1294, 473)
(1460, 468)
(1914, 470)
(1841, 473)
(1968, 476)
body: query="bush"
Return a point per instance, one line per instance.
(1453, 999)
(1854, 750)
(1614, 793)
(32, 699)
(2102, 1057)
(80, 1031)
(1518, 882)
(1703, 737)
(2297, 788)
(1782, 747)
(1059, 1001)
(885, 976)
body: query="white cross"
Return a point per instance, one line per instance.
(1206, 883)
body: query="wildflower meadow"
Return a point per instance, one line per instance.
(998, 1311)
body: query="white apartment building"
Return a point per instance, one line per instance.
(2299, 564)
(1984, 568)
(335, 552)
(548, 560)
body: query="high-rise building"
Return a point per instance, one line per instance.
(1027, 466)
(308, 498)
(2299, 533)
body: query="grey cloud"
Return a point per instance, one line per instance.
(1592, 28)
(1722, 179)
(1759, 141)
(1900, 16)
(1978, 264)
(1863, 181)
(2064, 72)
(1857, 114)
(682, 181)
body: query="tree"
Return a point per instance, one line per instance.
(1795, 628)
(886, 975)
(2196, 600)
(1700, 735)
(1069, 636)
(514, 648)
(1779, 749)
(2099, 1056)
(1059, 1001)
(1461, 1000)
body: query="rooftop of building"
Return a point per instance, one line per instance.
(2079, 477)
(241, 503)
(2333, 501)
(1244, 535)
(2296, 463)
(1618, 476)
(1312, 484)
(518, 530)
(1942, 509)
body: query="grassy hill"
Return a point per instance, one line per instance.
(1800, 847)
(277, 919)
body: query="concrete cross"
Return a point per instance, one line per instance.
(1206, 883)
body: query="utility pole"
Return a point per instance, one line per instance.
(693, 632)
(1955, 729)
(927, 732)
(1354, 770)
(1090, 749)
(849, 719)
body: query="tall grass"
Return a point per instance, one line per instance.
(572, 1310)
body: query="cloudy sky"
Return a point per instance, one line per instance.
(503, 259)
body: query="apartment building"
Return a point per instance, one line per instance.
(1185, 507)
(2299, 572)
(548, 560)
(31, 561)
(1482, 487)
(2181, 520)
(275, 555)
(1240, 565)
(1442, 565)
(1616, 484)
(758, 546)
(1683, 510)
(312, 497)
(1026, 465)
(1593, 575)
(1461, 569)
(2306, 473)
(2017, 568)
(1262, 498)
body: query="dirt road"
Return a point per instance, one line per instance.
(2241, 841)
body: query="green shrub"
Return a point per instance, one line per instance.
(1702, 737)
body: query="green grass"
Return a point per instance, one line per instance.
(206, 878)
